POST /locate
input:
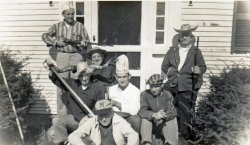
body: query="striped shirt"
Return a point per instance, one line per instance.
(59, 31)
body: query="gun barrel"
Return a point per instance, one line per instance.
(53, 69)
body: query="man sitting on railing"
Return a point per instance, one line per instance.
(87, 90)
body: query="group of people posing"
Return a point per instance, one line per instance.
(123, 114)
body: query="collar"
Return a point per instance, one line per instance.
(84, 87)
(65, 23)
(125, 88)
(187, 48)
(80, 85)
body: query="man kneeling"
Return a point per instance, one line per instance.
(107, 128)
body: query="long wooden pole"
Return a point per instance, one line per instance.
(54, 70)
(12, 104)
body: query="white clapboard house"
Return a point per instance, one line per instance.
(141, 29)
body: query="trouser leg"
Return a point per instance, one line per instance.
(64, 60)
(135, 122)
(170, 132)
(63, 125)
(184, 110)
(74, 59)
(146, 131)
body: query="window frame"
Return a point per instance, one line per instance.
(237, 49)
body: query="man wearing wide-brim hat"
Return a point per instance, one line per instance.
(88, 91)
(103, 69)
(59, 36)
(106, 128)
(181, 63)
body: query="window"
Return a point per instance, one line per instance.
(241, 27)
(119, 22)
(80, 12)
(160, 22)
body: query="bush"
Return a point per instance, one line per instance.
(223, 115)
(22, 92)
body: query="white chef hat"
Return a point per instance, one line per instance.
(67, 5)
(122, 64)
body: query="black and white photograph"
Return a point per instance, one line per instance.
(146, 72)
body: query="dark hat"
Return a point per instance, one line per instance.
(96, 50)
(155, 79)
(103, 107)
(185, 28)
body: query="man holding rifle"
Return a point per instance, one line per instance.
(184, 66)
(88, 91)
(70, 38)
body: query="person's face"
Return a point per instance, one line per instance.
(69, 15)
(185, 39)
(123, 79)
(155, 89)
(97, 58)
(84, 78)
(105, 120)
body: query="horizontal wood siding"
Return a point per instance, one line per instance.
(215, 19)
(21, 26)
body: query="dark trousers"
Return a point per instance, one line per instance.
(185, 112)
(184, 102)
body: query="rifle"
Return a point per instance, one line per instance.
(194, 80)
(194, 76)
(54, 69)
(77, 43)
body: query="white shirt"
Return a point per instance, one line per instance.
(67, 25)
(129, 98)
(183, 55)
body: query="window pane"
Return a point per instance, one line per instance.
(160, 23)
(134, 58)
(159, 38)
(135, 81)
(242, 27)
(79, 8)
(242, 33)
(160, 8)
(80, 19)
(119, 22)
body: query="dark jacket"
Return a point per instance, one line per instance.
(106, 76)
(151, 104)
(89, 96)
(183, 78)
